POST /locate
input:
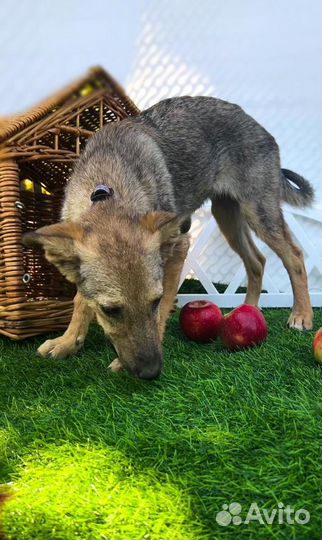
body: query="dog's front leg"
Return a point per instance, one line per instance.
(72, 340)
(171, 277)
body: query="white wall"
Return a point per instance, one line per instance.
(266, 56)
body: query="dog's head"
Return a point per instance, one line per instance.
(116, 261)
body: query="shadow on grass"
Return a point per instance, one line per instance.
(220, 427)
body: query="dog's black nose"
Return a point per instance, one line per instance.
(149, 372)
(148, 368)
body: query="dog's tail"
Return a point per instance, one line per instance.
(295, 190)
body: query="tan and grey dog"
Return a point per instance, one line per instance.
(123, 235)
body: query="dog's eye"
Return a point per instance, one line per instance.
(155, 304)
(113, 312)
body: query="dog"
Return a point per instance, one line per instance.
(124, 235)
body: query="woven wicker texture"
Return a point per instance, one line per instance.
(37, 152)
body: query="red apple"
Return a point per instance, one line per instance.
(200, 320)
(317, 346)
(245, 326)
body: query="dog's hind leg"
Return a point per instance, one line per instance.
(72, 340)
(268, 223)
(234, 227)
(171, 277)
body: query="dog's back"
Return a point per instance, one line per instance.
(210, 146)
(175, 155)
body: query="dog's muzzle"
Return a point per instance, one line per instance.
(148, 367)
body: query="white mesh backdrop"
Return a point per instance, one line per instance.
(250, 53)
(265, 56)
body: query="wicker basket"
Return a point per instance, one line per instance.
(37, 151)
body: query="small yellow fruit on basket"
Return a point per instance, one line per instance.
(34, 187)
(27, 185)
(86, 90)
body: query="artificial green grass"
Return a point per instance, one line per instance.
(88, 454)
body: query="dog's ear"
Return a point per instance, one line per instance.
(167, 223)
(59, 242)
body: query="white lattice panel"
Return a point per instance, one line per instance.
(209, 256)
(221, 48)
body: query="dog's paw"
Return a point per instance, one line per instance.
(300, 322)
(59, 348)
(115, 366)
